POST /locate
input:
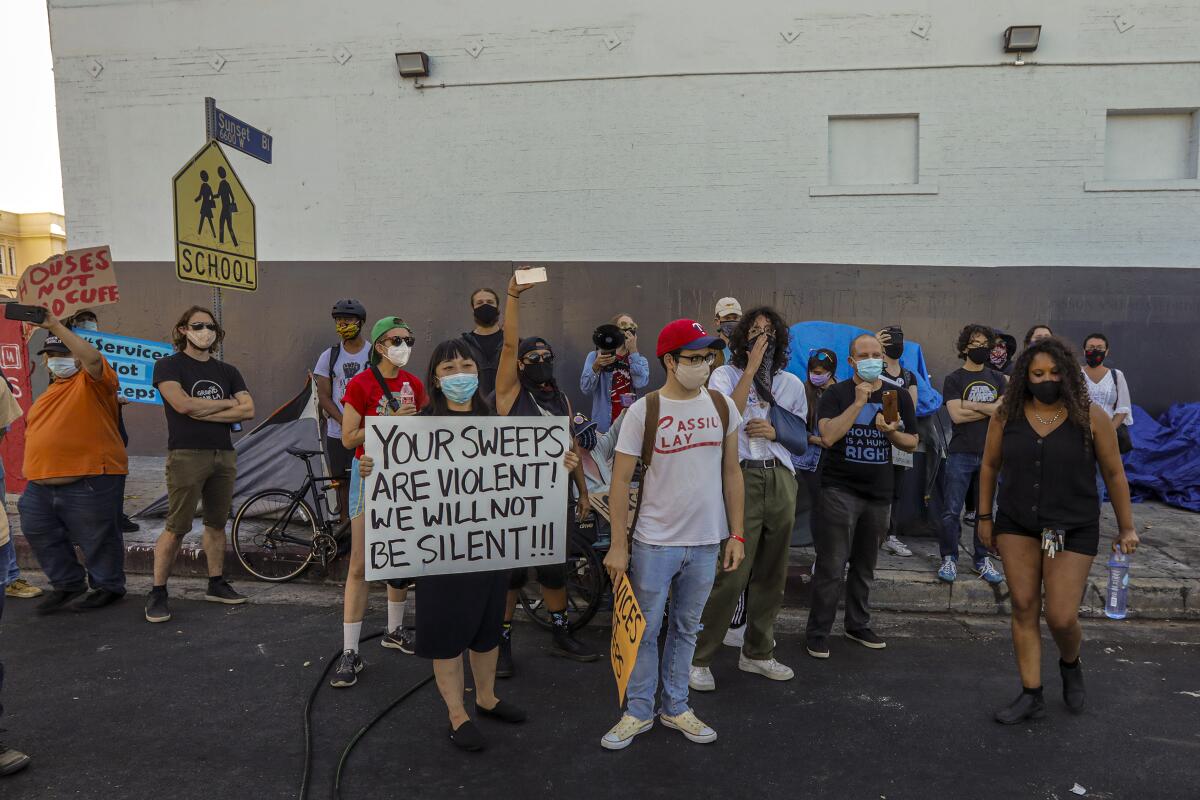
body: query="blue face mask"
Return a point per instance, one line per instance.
(869, 369)
(459, 387)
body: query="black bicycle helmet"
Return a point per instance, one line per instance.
(349, 308)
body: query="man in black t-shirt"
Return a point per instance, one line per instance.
(857, 484)
(486, 338)
(202, 398)
(972, 395)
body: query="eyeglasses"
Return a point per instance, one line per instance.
(538, 358)
(201, 326)
(629, 329)
(756, 332)
(396, 341)
(694, 360)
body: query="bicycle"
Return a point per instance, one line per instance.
(278, 534)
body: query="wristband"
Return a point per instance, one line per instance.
(514, 296)
(983, 517)
(737, 538)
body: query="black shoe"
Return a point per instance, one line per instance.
(1026, 706)
(157, 608)
(128, 525)
(402, 639)
(345, 674)
(56, 599)
(98, 599)
(504, 661)
(818, 647)
(567, 646)
(12, 760)
(867, 638)
(219, 591)
(1074, 693)
(468, 737)
(505, 712)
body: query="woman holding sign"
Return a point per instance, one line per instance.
(384, 389)
(462, 613)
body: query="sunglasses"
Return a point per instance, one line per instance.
(538, 358)
(396, 341)
(630, 329)
(202, 326)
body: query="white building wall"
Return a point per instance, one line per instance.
(690, 168)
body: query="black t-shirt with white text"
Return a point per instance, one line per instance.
(861, 461)
(211, 380)
(984, 386)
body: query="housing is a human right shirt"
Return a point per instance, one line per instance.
(861, 461)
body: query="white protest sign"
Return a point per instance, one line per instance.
(464, 494)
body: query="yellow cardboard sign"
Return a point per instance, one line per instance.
(628, 625)
(214, 224)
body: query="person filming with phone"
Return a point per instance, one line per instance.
(614, 370)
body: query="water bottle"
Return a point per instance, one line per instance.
(407, 396)
(1118, 586)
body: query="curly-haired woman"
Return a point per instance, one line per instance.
(1044, 443)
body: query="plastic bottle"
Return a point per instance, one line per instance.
(1117, 595)
(407, 396)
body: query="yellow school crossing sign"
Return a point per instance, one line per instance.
(214, 224)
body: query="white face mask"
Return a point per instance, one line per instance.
(398, 354)
(62, 367)
(692, 376)
(201, 339)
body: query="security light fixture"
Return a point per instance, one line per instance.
(413, 65)
(1022, 38)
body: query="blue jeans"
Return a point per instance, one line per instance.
(684, 577)
(86, 513)
(960, 467)
(9, 571)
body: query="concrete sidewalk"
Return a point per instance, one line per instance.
(1164, 580)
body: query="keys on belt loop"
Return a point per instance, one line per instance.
(1052, 541)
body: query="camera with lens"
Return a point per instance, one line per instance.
(608, 339)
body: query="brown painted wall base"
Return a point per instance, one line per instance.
(276, 334)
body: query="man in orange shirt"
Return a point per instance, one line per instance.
(76, 465)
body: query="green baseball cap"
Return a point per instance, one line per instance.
(380, 328)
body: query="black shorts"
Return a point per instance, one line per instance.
(339, 457)
(550, 576)
(1084, 540)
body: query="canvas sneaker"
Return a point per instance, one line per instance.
(690, 726)
(769, 668)
(23, 589)
(818, 647)
(219, 591)
(621, 735)
(11, 760)
(701, 679)
(896, 547)
(867, 638)
(949, 570)
(988, 572)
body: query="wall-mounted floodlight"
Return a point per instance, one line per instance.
(1022, 38)
(413, 65)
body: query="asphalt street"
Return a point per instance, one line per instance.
(209, 705)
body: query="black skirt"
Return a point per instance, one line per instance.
(460, 612)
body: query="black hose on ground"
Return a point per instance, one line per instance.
(337, 778)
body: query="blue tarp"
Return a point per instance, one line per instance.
(1165, 461)
(809, 336)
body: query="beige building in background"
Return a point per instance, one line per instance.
(27, 239)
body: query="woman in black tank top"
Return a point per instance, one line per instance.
(1044, 445)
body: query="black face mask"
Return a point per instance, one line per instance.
(979, 355)
(539, 373)
(1094, 357)
(486, 314)
(894, 350)
(1047, 392)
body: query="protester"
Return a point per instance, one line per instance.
(905, 380)
(726, 316)
(526, 387)
(822, 375)
(756, 381)
(613, 378)
(1037, 333)
(10, 572)
(202, 398)
(462, 613)
(677, 531)
(856, 494)
(334, 369)
(486, 338)
(1107, 389)
(76, 464)
(1004, 349)
(384, 389)
(11, 759)
(1043, 446)
(972, 394)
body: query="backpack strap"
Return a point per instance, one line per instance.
(1116, 388)
(335, 353)
(392, 402)
(718, 400)
(648, 434)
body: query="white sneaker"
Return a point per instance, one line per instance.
(690, 726)
(621, 735)
(735, 637)
(896, 547)
(701, 679)
(769, 668)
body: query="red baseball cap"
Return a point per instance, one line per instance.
(686, 334)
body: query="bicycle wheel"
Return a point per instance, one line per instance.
(273, 533)
(586, 580)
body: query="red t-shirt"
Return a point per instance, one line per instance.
(364, 395)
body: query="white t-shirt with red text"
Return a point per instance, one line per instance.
(684, 505)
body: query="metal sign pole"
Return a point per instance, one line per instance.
(210, 113)
(216, 302)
